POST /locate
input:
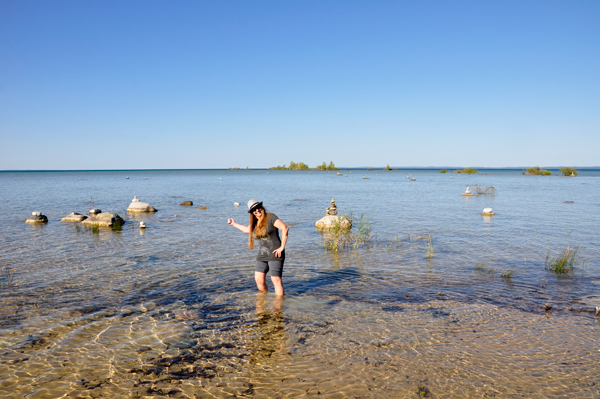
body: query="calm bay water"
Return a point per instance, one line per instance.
(173, 310)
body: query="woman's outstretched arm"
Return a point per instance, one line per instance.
(240, 227)
(284, 235)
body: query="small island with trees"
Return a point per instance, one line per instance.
(302, 166)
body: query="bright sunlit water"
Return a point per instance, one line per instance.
(173, 310)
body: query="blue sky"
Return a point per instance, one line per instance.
(191, 84)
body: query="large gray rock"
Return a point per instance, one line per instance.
(137, 206)
(74, 217)
(332, 221)
(37, 217)
(108, 219)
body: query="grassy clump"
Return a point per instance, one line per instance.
(483, 267)
(484, 190)
(566, 171)
(387, 167)
(339, 239)
(466, 170)
(508, 274)
(444, 171)
(7, 278)
(564, 262)
(429, 248)
(535, 170)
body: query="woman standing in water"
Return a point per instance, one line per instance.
(271, 253)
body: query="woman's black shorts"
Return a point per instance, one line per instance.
(273, 266)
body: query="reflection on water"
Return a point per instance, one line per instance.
(268, 345)
(173, 311)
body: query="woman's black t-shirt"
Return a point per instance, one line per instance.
(269, 242)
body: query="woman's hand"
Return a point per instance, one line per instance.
(278, 252)
(230, 222)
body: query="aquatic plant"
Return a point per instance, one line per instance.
(564, 262)
(339, 238)
(429, 248)
(484, 190)
(566, 171)
(7, 278)
(444, 171)
(535, 170)
(508, 274)
(483, 267)
(387, 167)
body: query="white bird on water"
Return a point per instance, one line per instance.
(236, 204)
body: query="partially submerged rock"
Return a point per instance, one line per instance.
(332, 219)
(108, 219)
(74, 217)
(37, 217)
(137, 206)
(187, 203)
(488, 212)
(467, 193)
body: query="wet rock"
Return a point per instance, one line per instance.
(37, 217)
(108, 219)
(74, 217)
(187, 203)
(137, 206)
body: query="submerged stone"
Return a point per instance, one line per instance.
(137, 206)
(108, 219)
(74, 217)
(187, 203)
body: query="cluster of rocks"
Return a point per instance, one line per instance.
(96, 217)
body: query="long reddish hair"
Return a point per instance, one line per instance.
(258, 227)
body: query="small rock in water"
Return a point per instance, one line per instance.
(236, 204)
(187, 203)
(568, 202)
(108, 219)
(74, 217)
(37, 217)
(137, 206)
(201, 207)
(488, 212)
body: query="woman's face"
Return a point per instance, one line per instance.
(258, 212)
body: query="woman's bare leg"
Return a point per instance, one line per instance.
(278, 284)
(261, 282)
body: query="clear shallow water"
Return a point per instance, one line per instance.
(173, 310)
